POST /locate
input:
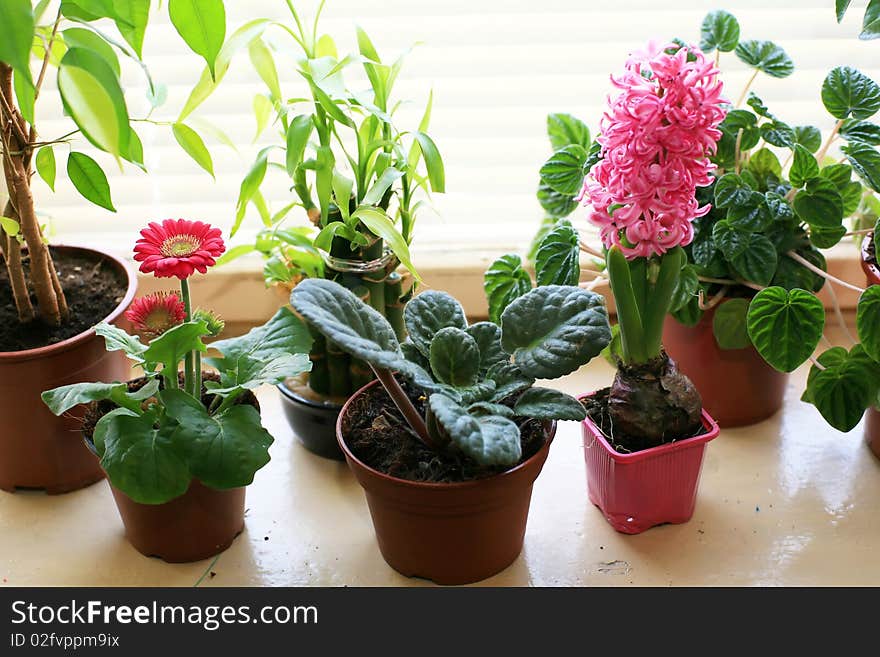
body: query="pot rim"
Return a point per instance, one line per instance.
(422, 485)
(74, 341)
(295, 397)
(872, 271)
(712, 431)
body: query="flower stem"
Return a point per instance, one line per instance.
(824, 274)
(742, 96)
(189, 380)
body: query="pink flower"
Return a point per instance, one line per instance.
(178, 247)
(657, 136)
(156, 313)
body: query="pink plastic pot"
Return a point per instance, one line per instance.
(654, 486)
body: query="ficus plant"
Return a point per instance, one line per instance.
(479, 379)
(358, 179)
(81, 43)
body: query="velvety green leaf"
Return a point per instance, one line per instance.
(202, 25)
(488, 338)
(508, 379)
(504, 281)
(686, 288)
(455, 357)
(556, 204)
(429, 313)
(553, 330)
(866, 161)
(170, 348)
(808, 137)
(548, 223)
(731, 190)
(557, 261)
(868, 321)
(803, 167)
(843, 390)
(752, 214)
(564, 171)
(825, 238)
(489, 440)
(729, 324)
(752, 255)
(864, 131)
(720, 30)
(46, 167)
(17, 19)
(819, 204)
(848, 92)
(379, 224)
(785, 326)
(482, 408)
(548, 404)
(191, 142)
(89, 180)
(565, 130)
(740, 119)
(839, 174)
(778, 134)
(763, 163)
(765, 56)
(80, 37)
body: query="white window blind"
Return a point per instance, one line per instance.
(497, 67)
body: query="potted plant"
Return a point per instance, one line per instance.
(180, 447)
(359, 181)
(872, 274)
(51, 296)
(449, 440)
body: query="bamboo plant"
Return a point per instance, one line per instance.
(357, 177)
(80, 42)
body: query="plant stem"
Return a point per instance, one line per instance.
(586, 248)
(831, 137)
(632, 338)
(12, 256)
(729, 281)
(739, 136)
(824, 274)
(188, 377)
(714, 301)
(404, 405)
(742, 96)
(839, 314)
(659, 299)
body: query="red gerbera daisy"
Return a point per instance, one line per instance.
(178, 247)
(156, 313)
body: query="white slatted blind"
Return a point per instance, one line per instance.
(497, 67)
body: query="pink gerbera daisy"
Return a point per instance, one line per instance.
(178, 247)
(156, 313)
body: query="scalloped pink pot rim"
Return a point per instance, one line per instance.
(406, 483)
(872, 271)
(76, 340)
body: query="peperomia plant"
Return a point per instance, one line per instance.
(478, 378)
(169, 428)
(870, 21)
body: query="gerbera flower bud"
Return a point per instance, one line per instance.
(178, 247)
(215, 324)
(156, 313)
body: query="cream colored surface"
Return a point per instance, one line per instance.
(786, 502)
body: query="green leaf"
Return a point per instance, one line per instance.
(845, 388)
(791, 274)
(720, 30)
(808, 137)
(803, 167)
(504, 281)
(170, 348)
(222, 451)
(46, 167)
(89, 180)
(556, 204)
(115, 339)
(380, 187)
(871, 21)
(202, 25)
(765, 56)
(553, 330)
(825, 238)
(785, 326)
(249, 186)
(839, 174)
(763, 163)
(840, 7)
(264, 64)
(455, 357)
(740, 119)
(433, 161)
(489, 440)
(17, 19)
(379, 224)
(488, 338)
(865, 131)
(141, 459)
(564, 171)
(868, 321)
(847, 92)
(565, 130)
(25, 94)
(192, 143)
(547, 404)
(131, 17)
(778, 134)
(866, 161)
(262, 113)
(730, 326)
(686, 288)
(820, 204)
(60, 400)
(79, 37)
(297, 139)
(428, 314)
(10, 226)
(752, 255)
(753, 214)
(731, 190)
(557, 261)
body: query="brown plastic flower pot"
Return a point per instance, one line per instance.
(37, 449)
(201, 523)
(737, 386)
(872, 275)
(451, 533)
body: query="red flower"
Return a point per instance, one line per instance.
(154, 314)
(178, 247)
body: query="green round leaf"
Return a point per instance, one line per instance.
(730, 326)
(766, 56)
(89, 180)
(488, 338)
(842, 391)
(455, 357)
(488, 439)
(866, 161)
(547, 404)
(556, 204)
(720, 30)
(785, 326)
(428, 314)
(803, 167)
(868, 321)
(777, 133)
(504, 281)
(564, 171)
(848, 92)
(763, 163)
(557, 261)
(565, 130)
(753, 214)
(686, 288)
(864, 131)
(808, 137)
(752, 255)
(731, 190)
(820, 204)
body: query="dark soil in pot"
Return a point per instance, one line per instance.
(93, 286)
(377, 434)
(623, 443)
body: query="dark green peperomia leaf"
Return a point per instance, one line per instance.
(839, 174)
(791, 274)
(731, 190)
(764, 163)
(557, 261)
(488, 439)
(819, 204)
(825, 238)
(752, 214)
(866, 161)
(765, 56)
(871, 21)
(803, 166)
(429, 313)
(785, 326)
(488, 338)
(455, 357)
(868, 321)
(729, 324)
(758, 106)
(752, 255)
(864, 131)
(845, 388)
(504, 281)
(564, 171)
(686, 288)
(848, 92)
(808, 137)
(556, 204)
(777, 133)
(565, 130)
(553, 330)
(720, 30)
(548, 404)
(741, 120)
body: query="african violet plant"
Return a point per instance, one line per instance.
(171, 429)
(356, 174)
(479, 378)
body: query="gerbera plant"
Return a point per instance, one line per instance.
(161, 431)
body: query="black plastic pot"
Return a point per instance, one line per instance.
(313, 423)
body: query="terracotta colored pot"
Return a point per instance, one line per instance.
(313, 423)
(37, 449)
(872, 422)
(872, 271)
(199, 524)
(453, 533)
(737, 386)
(643, 489)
